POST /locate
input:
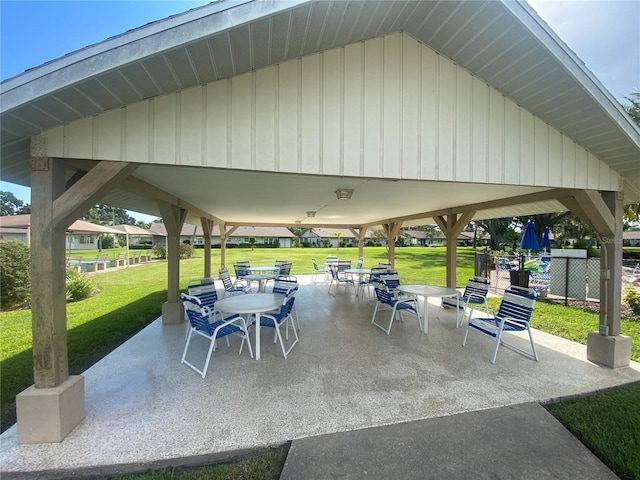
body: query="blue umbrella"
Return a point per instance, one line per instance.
(529, 240)
(546, 243)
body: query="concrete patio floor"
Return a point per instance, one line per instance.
(143, 407)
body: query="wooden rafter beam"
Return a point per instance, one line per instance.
(554, 194)
(87, 191)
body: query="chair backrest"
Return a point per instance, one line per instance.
(476, 287)
(226, 279)
(285, 269)
(375, 274)
(241, 269)
(360, 262)
(315, 264)
(205, 290)
(344, 265)
(383, 294)
(287, 306)
(391, 280)
(334, 270)
(279, 262)
(517, 304)
(196, 313)
(284, 286)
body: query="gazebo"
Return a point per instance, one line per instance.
(358, 115)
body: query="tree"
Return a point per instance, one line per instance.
(632, 212)
(298, 233)
(11, 205)
(106, 215)
(498, 229)
(633, 107)
(338, 235)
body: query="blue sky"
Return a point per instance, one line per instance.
(604, 34)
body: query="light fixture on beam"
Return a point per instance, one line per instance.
(344, 193)
(298, 222)
(311, 214)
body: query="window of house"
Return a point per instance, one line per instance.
(85, 239)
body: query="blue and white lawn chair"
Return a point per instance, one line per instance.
(287, 286)
(281, 317)
(202, 321)
(205, 290)
(387, 301)
(513, 315)
(232, 288)
(339, 277)
(474, 295)
(318, 270)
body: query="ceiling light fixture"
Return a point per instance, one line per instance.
(311, 214)
(344, 193)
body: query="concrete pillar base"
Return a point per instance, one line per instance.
(47, 415)
(172, 313)
(609, 351)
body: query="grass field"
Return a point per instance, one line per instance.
(131, 298)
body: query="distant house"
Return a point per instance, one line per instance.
(17, 234)
(331, 237)
(419, 238)
(81, 235)
(631, 238)
(193, 234)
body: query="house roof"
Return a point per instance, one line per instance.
(322, 232)
(631, 235)
(132, 230)
(503, 43)
(79, 226)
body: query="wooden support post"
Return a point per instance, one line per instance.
(392, 230)
(360, 234)
(451, 226)
(603, 212)
(49, 410)
(48, 296)
(173, 218)
(207, 227)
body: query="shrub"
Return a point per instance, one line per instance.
(15, 278)
(107, 242)
(159, 250)
(186, 250)
(79, 285)
(631, 300)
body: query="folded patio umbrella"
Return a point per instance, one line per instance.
(529, 241)
(546, 243)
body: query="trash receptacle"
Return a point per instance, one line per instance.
(519, 278)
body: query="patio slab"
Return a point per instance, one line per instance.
(143, 407)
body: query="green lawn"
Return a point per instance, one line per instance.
(131, 298)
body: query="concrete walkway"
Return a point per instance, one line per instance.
(519, 441)
(143, 408)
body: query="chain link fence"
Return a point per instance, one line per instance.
(568, 280)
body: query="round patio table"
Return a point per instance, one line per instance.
(251, 304)
(426, 291)
(360, 272)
